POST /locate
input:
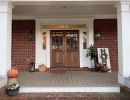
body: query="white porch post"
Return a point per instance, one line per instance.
(91, 33)
(5, 37)
(123, 15)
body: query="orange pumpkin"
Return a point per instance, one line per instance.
(13, 73)
(42, 68)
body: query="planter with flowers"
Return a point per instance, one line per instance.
(92, 53)
(13, 89)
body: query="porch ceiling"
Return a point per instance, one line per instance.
(63, 9)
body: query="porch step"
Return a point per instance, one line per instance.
(68, 96)
(115, 89)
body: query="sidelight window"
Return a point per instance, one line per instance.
(44, 40)
(84, 40)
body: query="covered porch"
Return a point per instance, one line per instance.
(68, 81)
(18, 51)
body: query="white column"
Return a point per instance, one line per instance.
(81, 47)
(90, 33)
(123, 16)
(38, 45)
(5, 37)
(48, 49)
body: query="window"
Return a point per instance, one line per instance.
(72, 40)
(44, 40)
(57, 41)
(84, 40)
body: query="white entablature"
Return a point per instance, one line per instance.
(68, 0)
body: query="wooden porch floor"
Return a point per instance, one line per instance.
(68, 79)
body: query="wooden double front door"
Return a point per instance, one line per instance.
(64, 48)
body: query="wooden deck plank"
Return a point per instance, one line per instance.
(68, 79)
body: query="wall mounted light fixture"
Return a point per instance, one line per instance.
(97, 35)
(31, 36)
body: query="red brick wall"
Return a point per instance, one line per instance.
(23, 50)
(108, 39)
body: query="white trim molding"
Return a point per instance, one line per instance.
(109, 16)
(43, 56)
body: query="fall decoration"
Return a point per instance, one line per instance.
(13, 89)
(102, 67)
(13, 73)
(12, 80)
(42, 68)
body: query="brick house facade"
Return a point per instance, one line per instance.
(23, 50)
(108, 30)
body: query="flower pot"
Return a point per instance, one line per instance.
(92, 55)
(13, 92)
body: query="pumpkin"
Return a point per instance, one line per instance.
(42, 68)
(13, 73)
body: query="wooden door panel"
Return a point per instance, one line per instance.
(56, 49)
(72, 48)
(72, 59)
(57, 58)
(65, 48)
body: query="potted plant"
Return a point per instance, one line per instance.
(92, 52)
(13, 89)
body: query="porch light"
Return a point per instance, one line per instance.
(31, 36)
(97, 35)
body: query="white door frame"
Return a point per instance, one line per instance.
(46, 53)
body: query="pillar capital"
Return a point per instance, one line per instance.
(123, 6)
(6, 7)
